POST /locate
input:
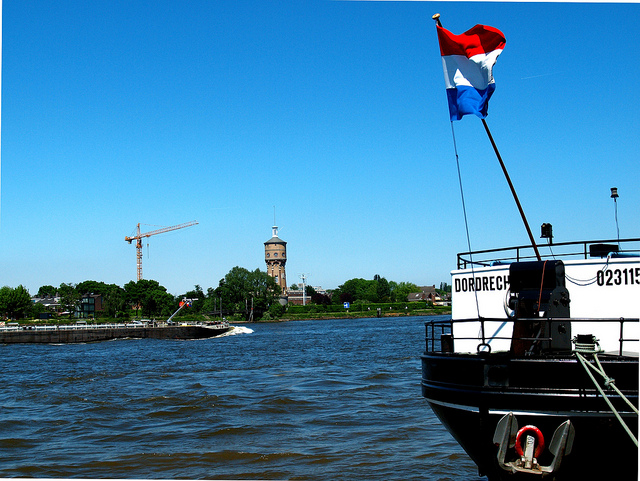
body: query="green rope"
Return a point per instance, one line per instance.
(610, 384)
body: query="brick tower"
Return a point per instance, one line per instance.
(275, 255)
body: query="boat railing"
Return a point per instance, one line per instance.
(564, 250)
(10, 328)
(217, 324)
(440, 333)
(71, 327)
(84, 327)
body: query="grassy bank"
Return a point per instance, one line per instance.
(294, 315)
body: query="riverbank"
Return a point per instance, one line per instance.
(355, 315)
(287, 316)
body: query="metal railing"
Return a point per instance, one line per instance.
(440, 338)
(84, 327)
(506, 255)
(72, 327)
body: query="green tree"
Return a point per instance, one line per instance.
(69, 298)
(45, 291)
(36, 309)
(241, 289)
(383, 291)
(113, 300)
(149, 298)
(14, 302)
(444, 288)
(352, 290)
(212, 302)
(401, 291)
(276, 310)
(91, 287)
(113, 296)
(358, 290)
(264, 290)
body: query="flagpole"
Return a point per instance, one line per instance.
(513, 190)
(436, 17)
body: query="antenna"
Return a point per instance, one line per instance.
(275, 226)
(304, 288)
(614, 196)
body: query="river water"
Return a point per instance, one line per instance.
(306, 400)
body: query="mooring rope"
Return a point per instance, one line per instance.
(608, 382)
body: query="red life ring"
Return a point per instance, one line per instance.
(539, 443)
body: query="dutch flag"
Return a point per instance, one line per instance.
(468, 61)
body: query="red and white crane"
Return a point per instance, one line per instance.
(139, 236)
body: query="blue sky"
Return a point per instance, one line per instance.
(162, 112)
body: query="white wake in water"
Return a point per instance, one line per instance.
(235, 330)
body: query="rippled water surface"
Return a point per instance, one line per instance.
(310, 400)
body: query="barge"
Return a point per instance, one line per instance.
(536, 373)
(107, 332)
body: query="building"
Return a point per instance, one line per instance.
(51, 305)
(275, 256)
(297, 297)
(427, 293)
(90, 305)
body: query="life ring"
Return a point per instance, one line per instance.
(539, 443)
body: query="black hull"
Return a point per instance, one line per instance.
(470, 393)
(64, 336)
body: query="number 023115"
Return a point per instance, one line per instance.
(618, 277)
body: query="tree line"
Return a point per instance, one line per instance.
(244, 293)
(375, 290)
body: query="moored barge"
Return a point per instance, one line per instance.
(536, 372)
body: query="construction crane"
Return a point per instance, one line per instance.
(139, 236)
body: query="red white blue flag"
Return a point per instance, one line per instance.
(468, 61)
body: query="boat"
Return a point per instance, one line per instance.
(536, 372)
(83, 332)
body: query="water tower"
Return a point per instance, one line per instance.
(275, 255)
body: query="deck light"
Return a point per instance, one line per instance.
(614, 196)
(546, 232)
